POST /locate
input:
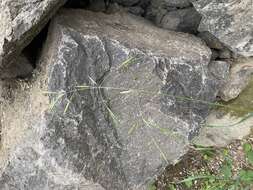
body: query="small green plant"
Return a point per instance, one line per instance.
(248, 152)
(127, 63)
(207, 152)
(226, 178)
(152, 186)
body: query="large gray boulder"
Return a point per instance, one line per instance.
(21, 21)
(229, 21)
(116, 100)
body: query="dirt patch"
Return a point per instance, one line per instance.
(196, 162)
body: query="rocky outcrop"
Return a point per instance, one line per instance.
(230, 22)
(111, 106)
(21, 21)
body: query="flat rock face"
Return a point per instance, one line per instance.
(121, 99)
(230, 21)
(21, 20)
(222, 129)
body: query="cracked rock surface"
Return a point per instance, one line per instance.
(21, 21)
(230, 21)
(111, 106)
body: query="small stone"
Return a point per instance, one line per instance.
(238, 80)
(137, 10)
(182, 20)
(219, 69)
(225, 54)
(211, 41)
(215, 54)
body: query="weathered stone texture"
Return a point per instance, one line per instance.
(122, 100)
(230, 21)
(21, 21)
(239, 78)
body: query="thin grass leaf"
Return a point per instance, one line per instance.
(93, 81)
(126, 63)
(48, 92)
(126, 92)
(66, 107)
(248, 116)
(113, 116)
(160, 150)
(52, 105)
(193, 178)
(164, 131)
(168, 95)
(68, 104)
(146, 122)
(204, 149)
(133, 128)
(83, 87)
(198, 147)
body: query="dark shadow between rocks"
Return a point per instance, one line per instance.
(22, 67)
(33, 50)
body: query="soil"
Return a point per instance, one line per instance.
(195, 162)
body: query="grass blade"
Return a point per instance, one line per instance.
(248, 116)
(48, 92)
(52, 105)
(126, 92)
(67, 106)
(133, 128)
(113, 116)
(193, 178)
(83, 87)
(126, 63)
(160, 150)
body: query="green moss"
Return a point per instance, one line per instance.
(243, 104)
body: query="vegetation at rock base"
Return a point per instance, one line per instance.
(208, 168)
